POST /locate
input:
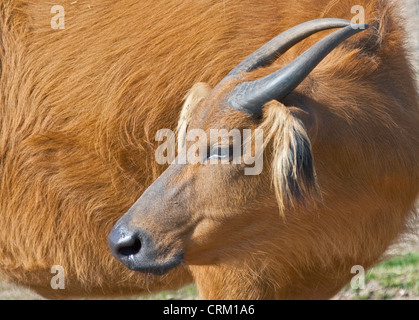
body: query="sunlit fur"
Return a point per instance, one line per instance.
(79, 109)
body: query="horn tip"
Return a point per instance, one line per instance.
(361, 26)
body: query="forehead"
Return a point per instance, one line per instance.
(213, 114)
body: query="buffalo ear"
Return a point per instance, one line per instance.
(196, 94)
(300, 174)
(293, 170)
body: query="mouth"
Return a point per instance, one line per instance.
(137, 264)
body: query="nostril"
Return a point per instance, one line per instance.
(126, 244)
(130, 247)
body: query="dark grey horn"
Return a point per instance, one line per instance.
(267, 54)
(249, 97)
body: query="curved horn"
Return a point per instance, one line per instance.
(280, 44)
(249, 97)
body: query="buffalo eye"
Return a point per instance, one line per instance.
(220, 153)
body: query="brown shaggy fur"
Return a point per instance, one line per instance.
(79, 109)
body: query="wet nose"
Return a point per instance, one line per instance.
(124, 244)
(136, 251)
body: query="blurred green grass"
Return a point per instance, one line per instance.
(395, 279)
(187, 293)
